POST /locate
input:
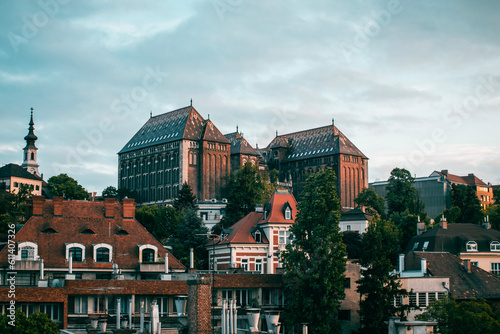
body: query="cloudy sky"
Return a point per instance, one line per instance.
(413, 84)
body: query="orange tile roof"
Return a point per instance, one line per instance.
(277, 214)
(79, 216)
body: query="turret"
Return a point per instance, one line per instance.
(30, 150)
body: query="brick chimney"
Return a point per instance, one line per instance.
(199, 306)
(444, 172)
(58, 206)
(129, 208)
(38, 202)
(109, 207)
(443, 223)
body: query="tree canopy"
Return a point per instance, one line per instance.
(474, 316)
(465, 198)
(315, 261)
(13, 207)
(34, 324)
(245, 189)
(401, 195)
(375, 204)
(186, 199)
(378, 287)
(66, 186)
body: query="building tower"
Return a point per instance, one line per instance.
(30, 150)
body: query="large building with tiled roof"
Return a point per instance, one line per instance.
(297, 154)
(173, 148)
(241, 151)
(253, 243)
(484, 191)
(477, 243)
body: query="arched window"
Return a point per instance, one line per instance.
(103, 253)
(471, 246)
(32, 156)
(76, 251)
(27, 251)
(148, 253)
(495, 246)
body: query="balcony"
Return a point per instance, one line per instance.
(156, 267)
(26, 265)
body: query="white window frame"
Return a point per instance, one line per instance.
(24, 244)
(495, 246)
(77, 245)
(148, 246)
(102, 245)
(288, 213)
(258, 265)
(284, 237)
(495, 268)
(244, 264)
(471, 246)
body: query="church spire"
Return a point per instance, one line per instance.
(30, 150)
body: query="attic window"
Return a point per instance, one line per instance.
(415, 245)
(87, 231)
(258, 237)
(49, 230)
(495, 246)
(288, 213)
(122, 232)
(471, 246)
(426, 244)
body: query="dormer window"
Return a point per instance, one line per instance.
(28, 251)
(258, 237)
(148, 253)
(103, 253)
(76, 251)
(471, 246)
(288, 214)
(495, 246)
(49, 230)
(87, 231)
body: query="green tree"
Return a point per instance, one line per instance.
(244, 190)
(190, 233)
(110, 192)
(375, 204)
(13, 208)
(401, 195)
(160, 221)
(315, 261)
(186, 199)
(34, 324)
(465, 198)
(66, 186)
(378, 286)
(407, 222)
(474, 316)
(353, 244)
(450, 214)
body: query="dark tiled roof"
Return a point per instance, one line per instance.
(17, 171)
(240, 145)
(81, 216)
(470, 179)
(324, 141)
(354, 214)
(463, 285)
(454, 238)
(184, 123)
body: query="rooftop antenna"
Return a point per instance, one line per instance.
(333, 122)
(191, 102)
(236, 128)
(151, 114)
(208, 116)
(276, 133)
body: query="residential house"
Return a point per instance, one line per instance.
(477, 243)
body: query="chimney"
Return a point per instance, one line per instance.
(128, 208)
(471, 175)
(58, 206)
(445, 172)
(109, 207)
(486, 223)
(467, 265)
(423, 266)
(401, 263)
(443, 223)
(38, 202)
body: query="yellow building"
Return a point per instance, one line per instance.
(13, 177)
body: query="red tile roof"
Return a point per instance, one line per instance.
(80, 216)
(277, 213)
(470, 179)
(240, 233)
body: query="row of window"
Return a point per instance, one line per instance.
(472, 246)
(30, 186)
(28, 251)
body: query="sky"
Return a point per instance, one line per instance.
(413, 84)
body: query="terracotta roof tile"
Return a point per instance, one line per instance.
(79, 216)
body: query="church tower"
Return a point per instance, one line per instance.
(30, 150)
